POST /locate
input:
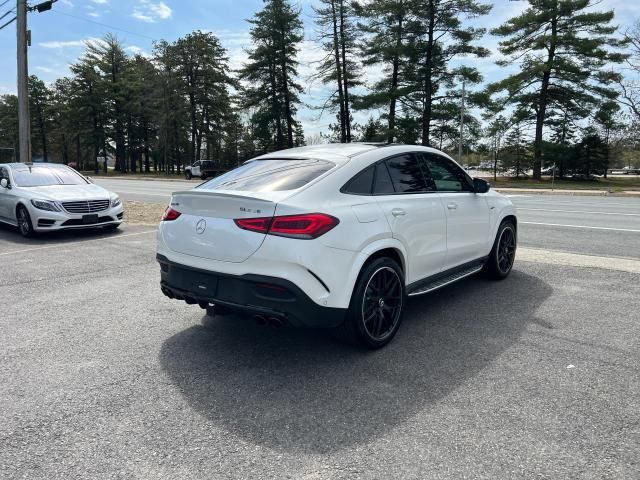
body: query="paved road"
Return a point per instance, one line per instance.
(599, 225)
(154, 191)
(103, 377)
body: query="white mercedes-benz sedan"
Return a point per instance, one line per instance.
(333, 236)
(44, 197)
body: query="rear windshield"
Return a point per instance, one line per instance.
(269, 175)
(44, 177)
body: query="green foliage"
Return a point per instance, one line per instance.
(271, 89)
(564, 50)
(338, 36)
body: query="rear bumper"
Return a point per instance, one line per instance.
(258, 294)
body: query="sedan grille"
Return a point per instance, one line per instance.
(86, 206)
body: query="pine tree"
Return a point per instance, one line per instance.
(439, 38)
(270, 74)
(39, 100)
(387, 30)
(563, 49)
(338, 36)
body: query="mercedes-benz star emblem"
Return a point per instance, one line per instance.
(201, 226)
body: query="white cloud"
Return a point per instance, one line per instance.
(100, 2)
(94, 14)
(135, 50)
(67, 3)
(45, 69)
(60, 44)
(149, 11)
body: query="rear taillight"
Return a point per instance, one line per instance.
(170, 214)
(260, 225)
(305, 226)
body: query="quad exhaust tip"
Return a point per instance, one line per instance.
(271, 321)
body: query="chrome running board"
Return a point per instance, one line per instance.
(444, 281)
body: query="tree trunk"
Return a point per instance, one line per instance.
(394, 80)
(428, 83)
(542, 105)
(285, 90)
(336, 50)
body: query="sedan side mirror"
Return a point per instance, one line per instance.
(480, 185)
(4, 183)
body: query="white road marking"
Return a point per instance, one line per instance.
(582, 226)
(554, 257)
(64, 245)
(515, 196)
(578, 211)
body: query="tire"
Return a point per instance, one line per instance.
(203, 176)
(187, 175)
(500, 261)
(373, 319)
(25, 227)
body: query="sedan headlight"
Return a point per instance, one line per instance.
(45, 205)
(115, 201)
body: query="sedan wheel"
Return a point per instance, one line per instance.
(24, 222)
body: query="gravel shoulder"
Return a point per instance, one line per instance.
(142, 213)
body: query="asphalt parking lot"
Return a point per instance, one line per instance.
(537, 376)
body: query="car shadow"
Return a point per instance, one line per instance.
(10, 235)
(301, 390)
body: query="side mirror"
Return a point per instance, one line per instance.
(4, 183)
(480, 185)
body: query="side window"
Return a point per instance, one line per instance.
(196, 164)
(406, 174)
(4, 173)
(446, 175)
(361, 183)
(382, 184)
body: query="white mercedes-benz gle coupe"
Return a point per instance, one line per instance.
(45, 196)
(333, 236)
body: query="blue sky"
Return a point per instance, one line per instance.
(58, 36)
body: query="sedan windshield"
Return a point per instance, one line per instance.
(44, 177)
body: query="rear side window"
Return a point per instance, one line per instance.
(361, 183)
(269, 175)
(382, 184)
(406, 174)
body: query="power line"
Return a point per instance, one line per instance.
(8, 23)
(102, 24)
(9, 12)
(4, 3)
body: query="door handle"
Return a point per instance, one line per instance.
(452, 206)
(398, 212)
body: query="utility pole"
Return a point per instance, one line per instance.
(24, 121)
(461, 124)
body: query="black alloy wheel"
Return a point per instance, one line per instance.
(377, 304)
(382, 303)
(506, 250)
(503, 253)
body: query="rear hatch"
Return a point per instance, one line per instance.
(206, 226)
